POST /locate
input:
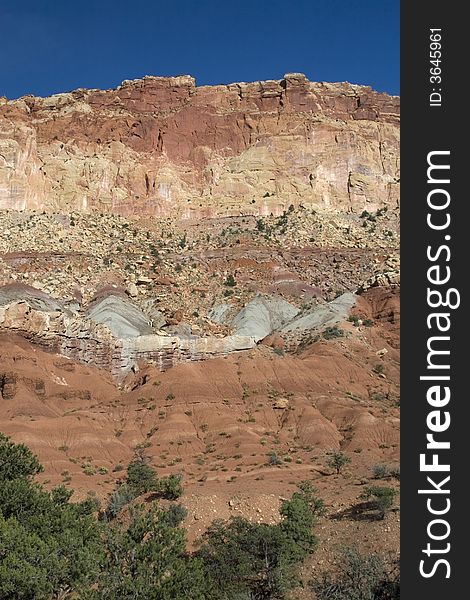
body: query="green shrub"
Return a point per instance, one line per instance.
(274, 459)
(230, 281)
(331, 333)
(258, 561)
(16, 460)
(338, 460)
(381, 498)
(141, 478)
(175, 514)
(359, 577)
(381, 471)
(170, 487)
(118, 500)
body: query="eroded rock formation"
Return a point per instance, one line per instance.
(164, 146)
(115, 335)
(109, 336)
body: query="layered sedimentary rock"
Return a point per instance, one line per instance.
(112, 335)
(164, 146)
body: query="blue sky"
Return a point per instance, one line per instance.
(50, 46)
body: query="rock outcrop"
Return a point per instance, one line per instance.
(259, 318)
(323, 316)
(164, 146)
(113, 334)
(122, 318)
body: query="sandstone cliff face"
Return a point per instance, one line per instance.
(163, 146)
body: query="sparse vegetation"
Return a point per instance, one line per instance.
(230, 281)
(331, 333)
(355, 320)
(141, 478)
(380, 498)
(145, 555)
(274, 459)
(359, 577)
(337, 461)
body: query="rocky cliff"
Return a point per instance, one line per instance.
(163, 146)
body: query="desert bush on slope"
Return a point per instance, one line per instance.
(53, 548)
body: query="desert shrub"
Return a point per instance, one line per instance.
(175, 514)
(307, 492)
(170, 487)
(331, 333)
(141, 478)
(381, 471)
(118, 500)
(338, 460)
(381, 498)
(230, 281)
(378, 368)
(274, 459)
(359, 577)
